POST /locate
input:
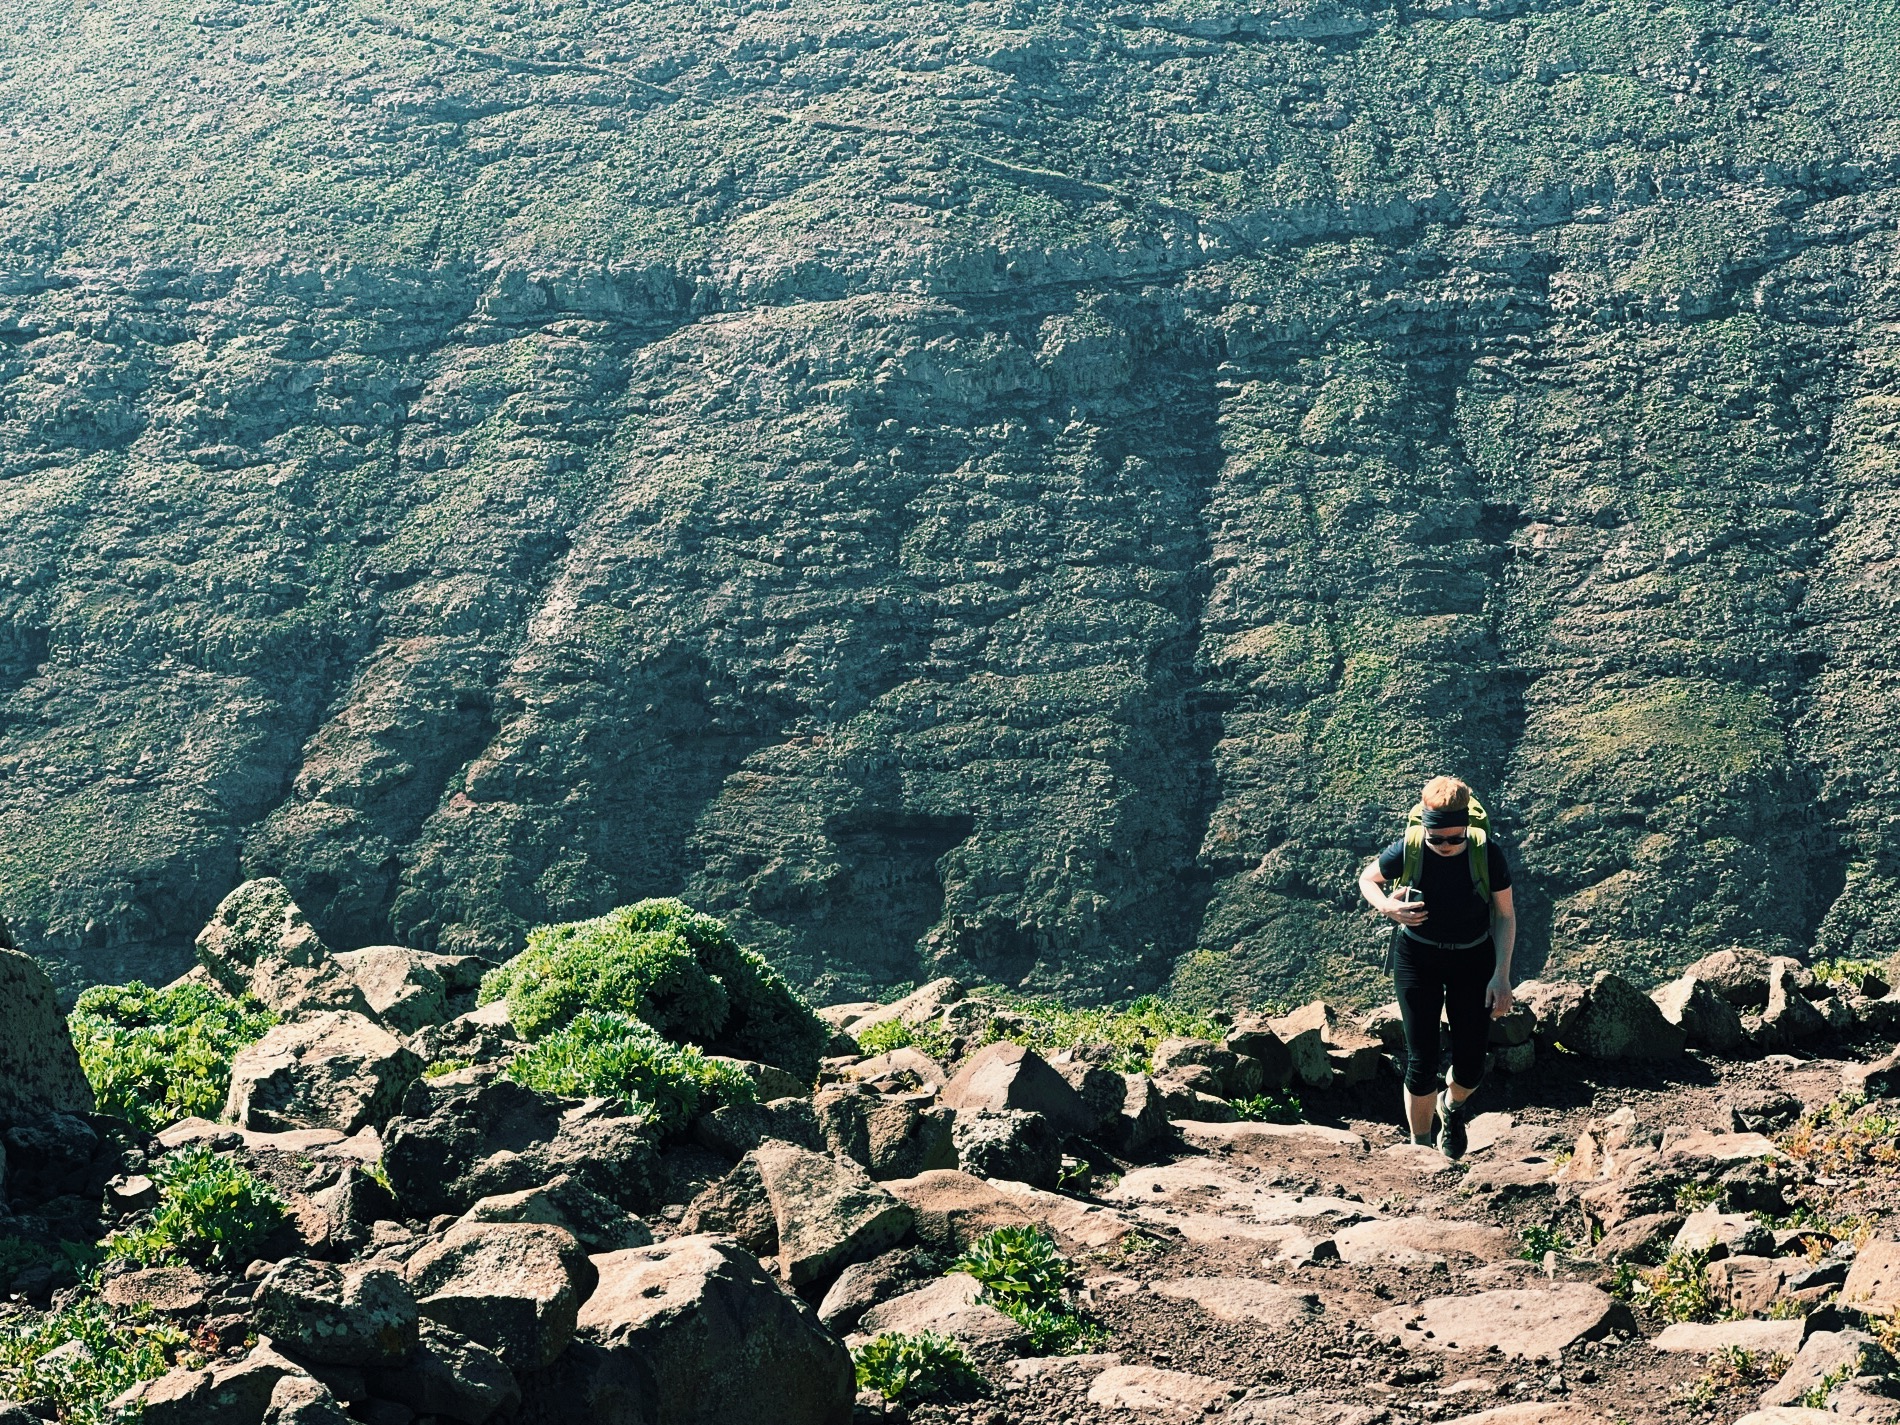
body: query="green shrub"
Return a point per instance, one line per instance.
(1132, 1029)
(882, 1038)
(1677, 1290)
(1539, 1240)
(1273, 1106)
(605, 964)
(1847, 972)
(210, 1210)
(616, 1056)
(122, 1349)
(1026, 1278)
(156, 1056)
(769, 1019)
(677, 971)
(441, 1068)
(913, 1369)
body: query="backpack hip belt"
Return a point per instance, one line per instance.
(1445, 945)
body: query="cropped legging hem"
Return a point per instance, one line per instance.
(1428, 979)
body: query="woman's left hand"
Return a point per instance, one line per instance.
(1497, 997)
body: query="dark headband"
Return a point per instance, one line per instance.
(1438, 818)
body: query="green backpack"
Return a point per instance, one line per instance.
(1475, 857)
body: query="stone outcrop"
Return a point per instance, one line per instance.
(39, 1068)
(325, 1069)
(712, 1340)
(338, 1316)
(512, 1287)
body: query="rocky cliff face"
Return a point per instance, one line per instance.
(1004, 487)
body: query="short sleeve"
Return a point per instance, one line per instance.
(1392, 860)
(1500, 867)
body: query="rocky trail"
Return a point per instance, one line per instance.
(953, 1207)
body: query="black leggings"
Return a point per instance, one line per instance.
(1428, 979)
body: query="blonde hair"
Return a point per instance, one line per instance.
(1446, 794)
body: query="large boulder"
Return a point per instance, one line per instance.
(239, 1392)
(1010, 1076)
(1555, 1006)
(514, 1287)
(1022, 1147)
(1790, 1018)
(1620, 1022)
(1305, 1033)
(1828, 1358)
(1143, 1122)
(889, 1135)
(1707, 1020)
(1738, 975)
(457, 1143)
(1873, 1286)
(331, 1069)
(404, 990)
(952, 1209)
(950, 1306)
(1100, 1090)
(1253, 1038)
(918, 1007)
(338, 1316)
(827, 1212)
(448, 1376)
(597, 1224)
(258, 942)
(699, 1325)
(39, 1068)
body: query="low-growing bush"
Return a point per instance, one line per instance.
(882, 1038)
(1731, 1369)
(1027, 1279)
(914, 1369)
(210, 1211)
(121, 1349)
(1132, 1030)
(679, 972)
(1273, 1106)
(154, 1056)
(1677, 1289)
(616, 1056)
(1540, 1239)
(606, 964)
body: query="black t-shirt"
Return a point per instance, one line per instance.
(1455, 912)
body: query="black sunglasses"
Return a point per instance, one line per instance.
(1450, 838)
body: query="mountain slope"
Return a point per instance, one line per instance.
(1011, 487)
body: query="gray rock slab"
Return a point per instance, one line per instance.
(1415, 1239)
(1525, 1321)
(951, 1306)
(1147, 1388)
(1242, 1299)
(1701, 1337)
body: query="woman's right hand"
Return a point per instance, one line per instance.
(1404, 912)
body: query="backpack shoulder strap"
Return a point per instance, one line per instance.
(1414, 846)
(1478, 854)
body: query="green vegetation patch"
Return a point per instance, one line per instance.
(116, 1351)
(1027, 1279)
(210, 1211)
(913, 1369)
(1130, 1030)
(617, 1056)
(679, 972)
(154, 1056)
(1273, 1106)
(1676, 1290)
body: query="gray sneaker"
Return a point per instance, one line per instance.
(1451, 1127)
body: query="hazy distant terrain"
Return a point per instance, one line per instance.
(1023, 488)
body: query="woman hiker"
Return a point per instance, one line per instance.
(1451, 951)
